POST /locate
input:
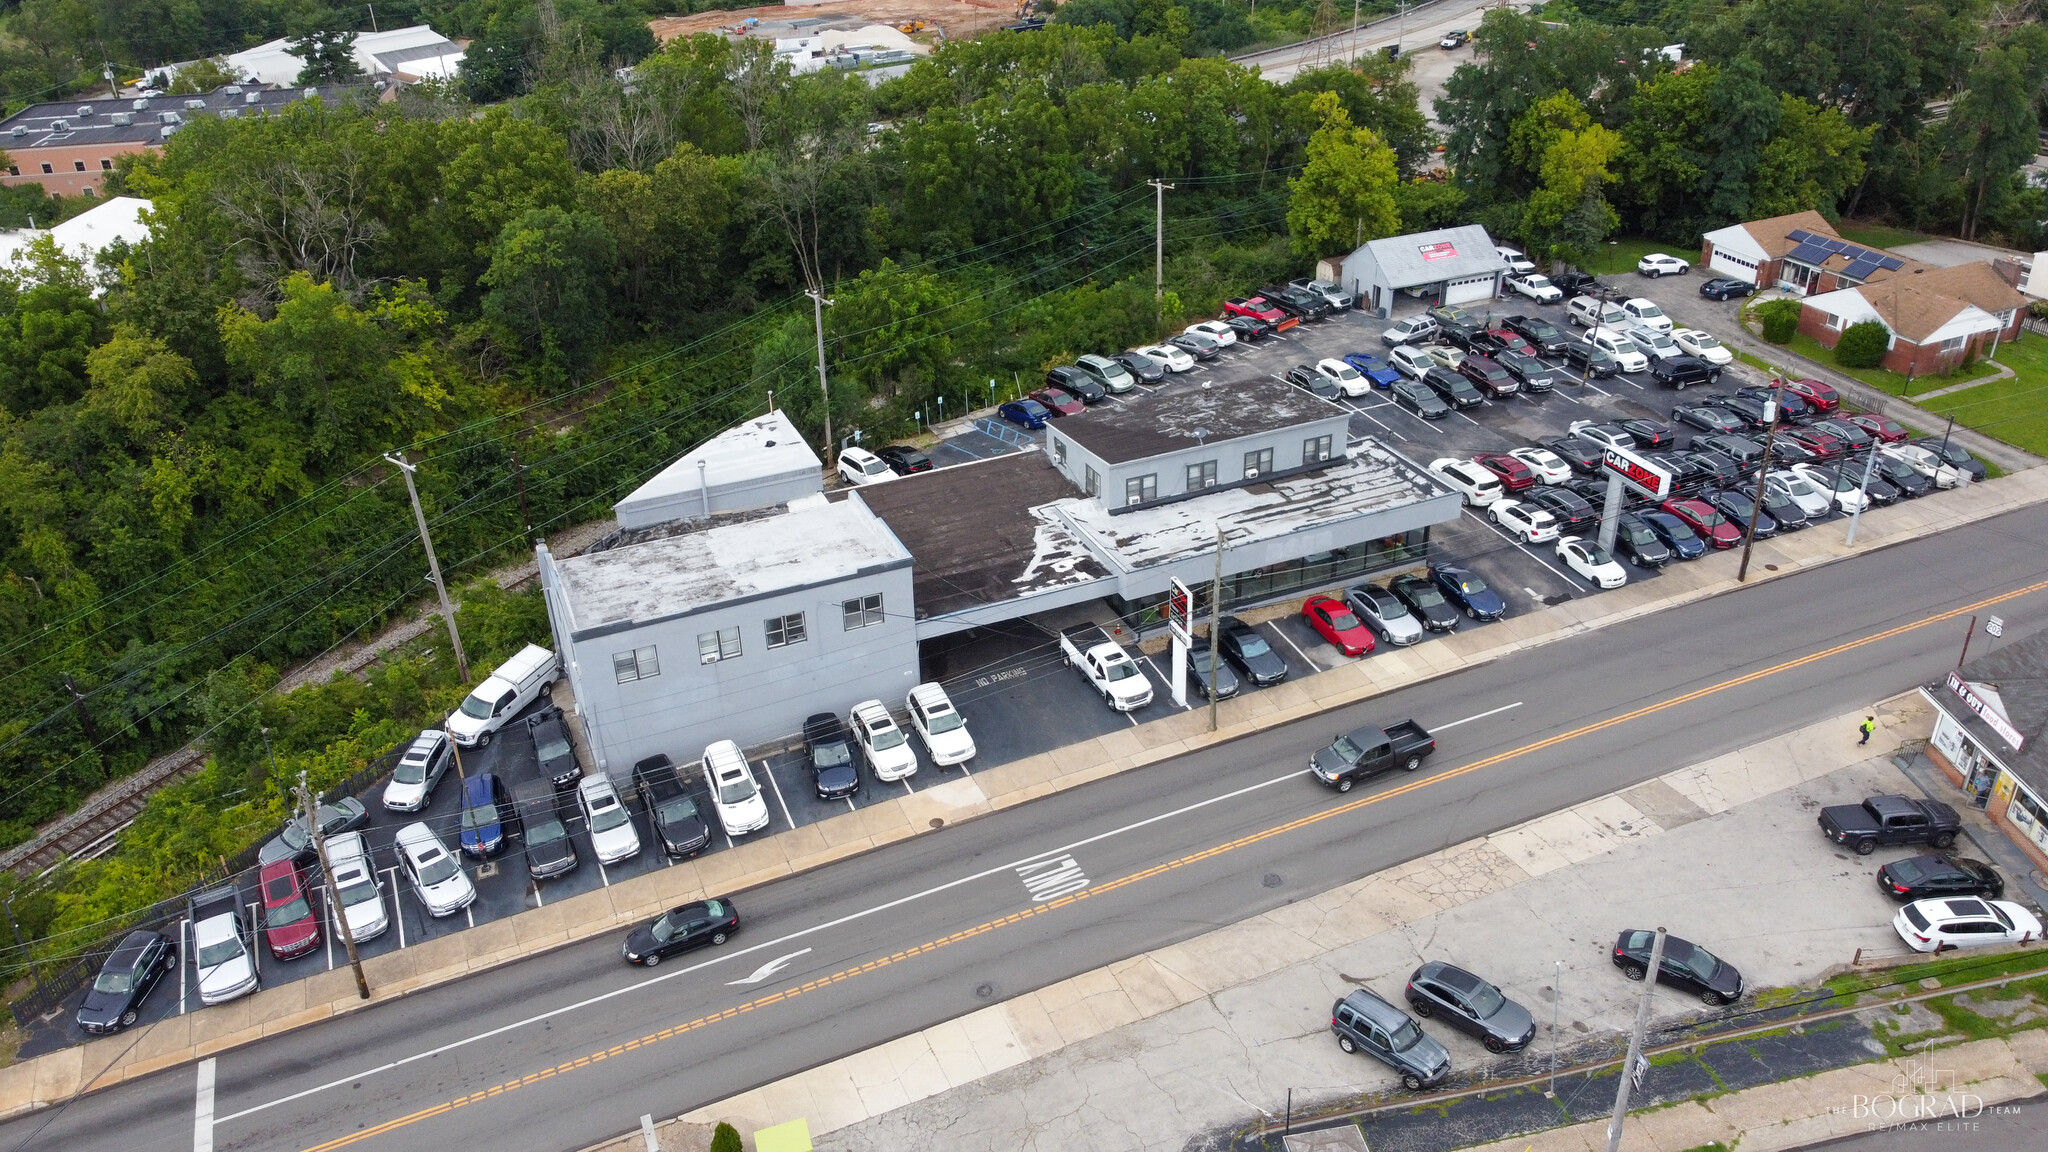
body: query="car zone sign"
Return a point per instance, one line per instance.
(1650, 479)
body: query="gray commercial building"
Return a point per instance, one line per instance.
(1448, 266)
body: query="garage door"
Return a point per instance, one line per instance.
(1729, 264)
(1469, 289)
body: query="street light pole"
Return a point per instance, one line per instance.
(419, 516)
(1215, 618)
(1763, 469)
(340, 922)
(1862, 494)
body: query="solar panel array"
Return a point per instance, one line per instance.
(1816, 250)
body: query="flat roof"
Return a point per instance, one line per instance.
(39, 124)
(678, 574)
(1169, 420)
(983, 533)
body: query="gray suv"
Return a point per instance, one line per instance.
(1364, 1021)
(1470, 1005)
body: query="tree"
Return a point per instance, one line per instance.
(49, 323)
(547, 285)
(1812, 161)
(805, 138)
(1862, 345)
(1995, 128)
(1345, 193)
(1567, 216)
(204, 76)
(1379, 94)
(321, 363)
(1780, 319)
(330, 56)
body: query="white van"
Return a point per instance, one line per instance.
(516, 683)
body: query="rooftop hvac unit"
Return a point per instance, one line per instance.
(18, 131)
(169, 118)
(310, 93)
(122, 118)
(195, 105)
(252, 97)
(84, 111)
(60, 125)
(141, 103)
(234, 89)
(165, 132)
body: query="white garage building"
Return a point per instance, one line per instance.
(1447, 266)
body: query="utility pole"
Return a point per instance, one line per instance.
(433, 564)
(1763, 468)
(818, 306)
(1159, 240)
(85, 724)
(340, 921)
(1635, 1045)
(1556, 994)
(460, 779)
(373, 16)
(519, 482)
(1862, 494)
(270, 755)
(1215, 620)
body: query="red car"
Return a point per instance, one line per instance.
(1514, 474)
(289, 926)
(1510, 341)
(1257, 307)
(1335, 623)
(1823, 444)
(1701, 517)
(1883, 427)
(1059, 401)
(1823, 397)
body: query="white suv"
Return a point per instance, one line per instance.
(1646, 314)
(859, 466)
(1478, 486)
(734, 792)
(939, 725)
(412, 782)
(1412, 361)
(889, 753)
(358, 895)
(1624, 350)
(435, 872)
(612, 834)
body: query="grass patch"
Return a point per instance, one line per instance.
(1954, 970)
(1710, 1146)
(1621, 253)
(1888, 382)
(1878, 235)
(2014, 410)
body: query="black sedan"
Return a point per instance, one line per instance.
(1470, 1005)
(114, 1000)
(1196, 345)
(1246, 650)
(1535, 375)
(828, 748)
(1143, 368)
(1590, 359)
(1648, 433)
(1741, 449)
(681, 929)
(1212, 677)
(1954, 454)
(1420, 399)
(1714, 467)
(1785, 510)
(1423, 599)
(1792, 407)
(1083, 387)
(1676, 534)
(1750, 409)
(295, 843)
(1727, 288)
(1250, 329)
(1856, 436)
(903, 460)
(1574, 514)
(1708, 418)
(1469, 591)
(1926, 877)
(1634, 542)
(1583, 455)
(1455, 389)
(1685, 965)
(1306, 378)
(677, 823)
(1738, 507)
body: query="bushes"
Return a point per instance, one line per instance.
(725, 1138)
(1780, 319)
(1862, 345)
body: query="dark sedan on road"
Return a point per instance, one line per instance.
(1676, 534)
(1213, 677)
(544, 816)
(1469, 591)
(1245, 648)
(677, 823)
(114, 999)
(1706, 520)
(1535, 375)
(1026, 413)
(1727, 288)
(1636, 543)
(1737, 507)
(1420, 399)
(1250, 329)
(1685, 965)
(1785, 510)
(1707, 418)
(1425, 601)
(828, 747)
(681, 929)
(1471, 1006)
(904, 460)
(1927, 877)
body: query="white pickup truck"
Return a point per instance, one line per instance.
(1107, 666)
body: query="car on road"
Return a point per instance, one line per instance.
(1256, 307)
(1478, 486)
(1384, 613)
(221, 958)
(418, 770)
(1490, 376)
(1198, 346)
(1412, 361)
(860, 467)
(1455, 38)
(679, 828)
(1378, 371)
(1213, 677)
(1707, 521)
(614, 836)
(1246, 649)
(1455, 389)
(1296, 302)
(1333, 620)
(1306, 378)
(1883, 820)
(1363, 753)
(889, 754)
(1675, 534)
(1930, 877)
(1702, 346)
(1811, 499)
(436, 874)
(1840, 487)
(1954, 455)
(1737, 507)
(1173, 358)
(1727, 288)
(1425, 601)
(1543, 464)
(1546, 338)
(357, 891)
(828, 750)
(1536, 286)
(1471, 1006)
(1754, 413)
(903, 459)
(1789, 515)
(544, 816)
(1707, 417)
(289, 927)
(1365, 1023)
(1574, 513)
(1590, 359)
(345, 814)
(1070, 378)
(483, 820)
(1469, 591)
(692, 925)
(1533, 374)
(1412, 330)
(1635, 542)
(1420, 399)
(1821, 396)
(1589, 559)
(1058, 402)
(1510, 470)
(1142, 368)
(114, 999)
(1661, 264)
(1964, 922)
(1219, 331)
(1684, 965)
(1026, 413)
(1644, 313)
(939, 725)
(1526, 522)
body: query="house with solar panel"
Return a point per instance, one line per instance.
(1800, 253)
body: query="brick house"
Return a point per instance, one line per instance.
(1991, 738)
(1801, 254)
(1938, 317)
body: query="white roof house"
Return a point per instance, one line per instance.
(415, 53)
(85, 235)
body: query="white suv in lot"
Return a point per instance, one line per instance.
(358, 895)
(1646, 314)
(858, 466)
(1412, 360)
(612, 834)
(734, 792)
(939, 725)
(889, 753)
(436, 874)
(1223, 334)
(1478, 486)
(1629, 357)
(412, 782)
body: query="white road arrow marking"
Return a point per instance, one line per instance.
(766, 970)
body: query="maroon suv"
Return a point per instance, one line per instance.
(1701, 517)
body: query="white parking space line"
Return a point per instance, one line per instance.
(1517, 542)
(469, 913)
(184, 965)
(602, 875)
(256, 952)
(777, 789)
(539, 901)
(202, 1108)
(1291, 644)
(1477, 716)
(1166, 680)
(397, 905)
(328, 906)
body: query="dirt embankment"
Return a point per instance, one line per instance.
(958, 19)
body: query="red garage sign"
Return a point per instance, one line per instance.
(1442, 250)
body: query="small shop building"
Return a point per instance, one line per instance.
(1989, 738)
(1447, 266)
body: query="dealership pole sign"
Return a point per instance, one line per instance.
(1180, 624)
(1646, 477)
(1986, 711)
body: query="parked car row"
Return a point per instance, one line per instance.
(1946, 901)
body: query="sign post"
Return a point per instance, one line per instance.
(1180, 623)
(1626, 469)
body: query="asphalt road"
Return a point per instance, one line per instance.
(568, 1048)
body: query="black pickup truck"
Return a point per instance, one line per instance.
(1364, 753)
(1890, 820)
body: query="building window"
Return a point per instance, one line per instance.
(1953, 345)
(14, 169)
(1059, 450)
(106, 165)
(639, 664)
(78, 165)
(1834, 321)
(1093, 483)
(1315, 451)
(46, 169)
(862, 611)
(1201, 475)
(786, 630)
(1258, 463)
(1139, 489)
(723, 644)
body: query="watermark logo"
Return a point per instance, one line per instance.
(1923, 1097)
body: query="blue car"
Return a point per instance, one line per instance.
(1464, 588)
(1381, 373)
(1676, 534)
(483, 816)
(1025, 413)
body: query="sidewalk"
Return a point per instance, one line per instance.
(182, 1039)
(1203, 1036)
